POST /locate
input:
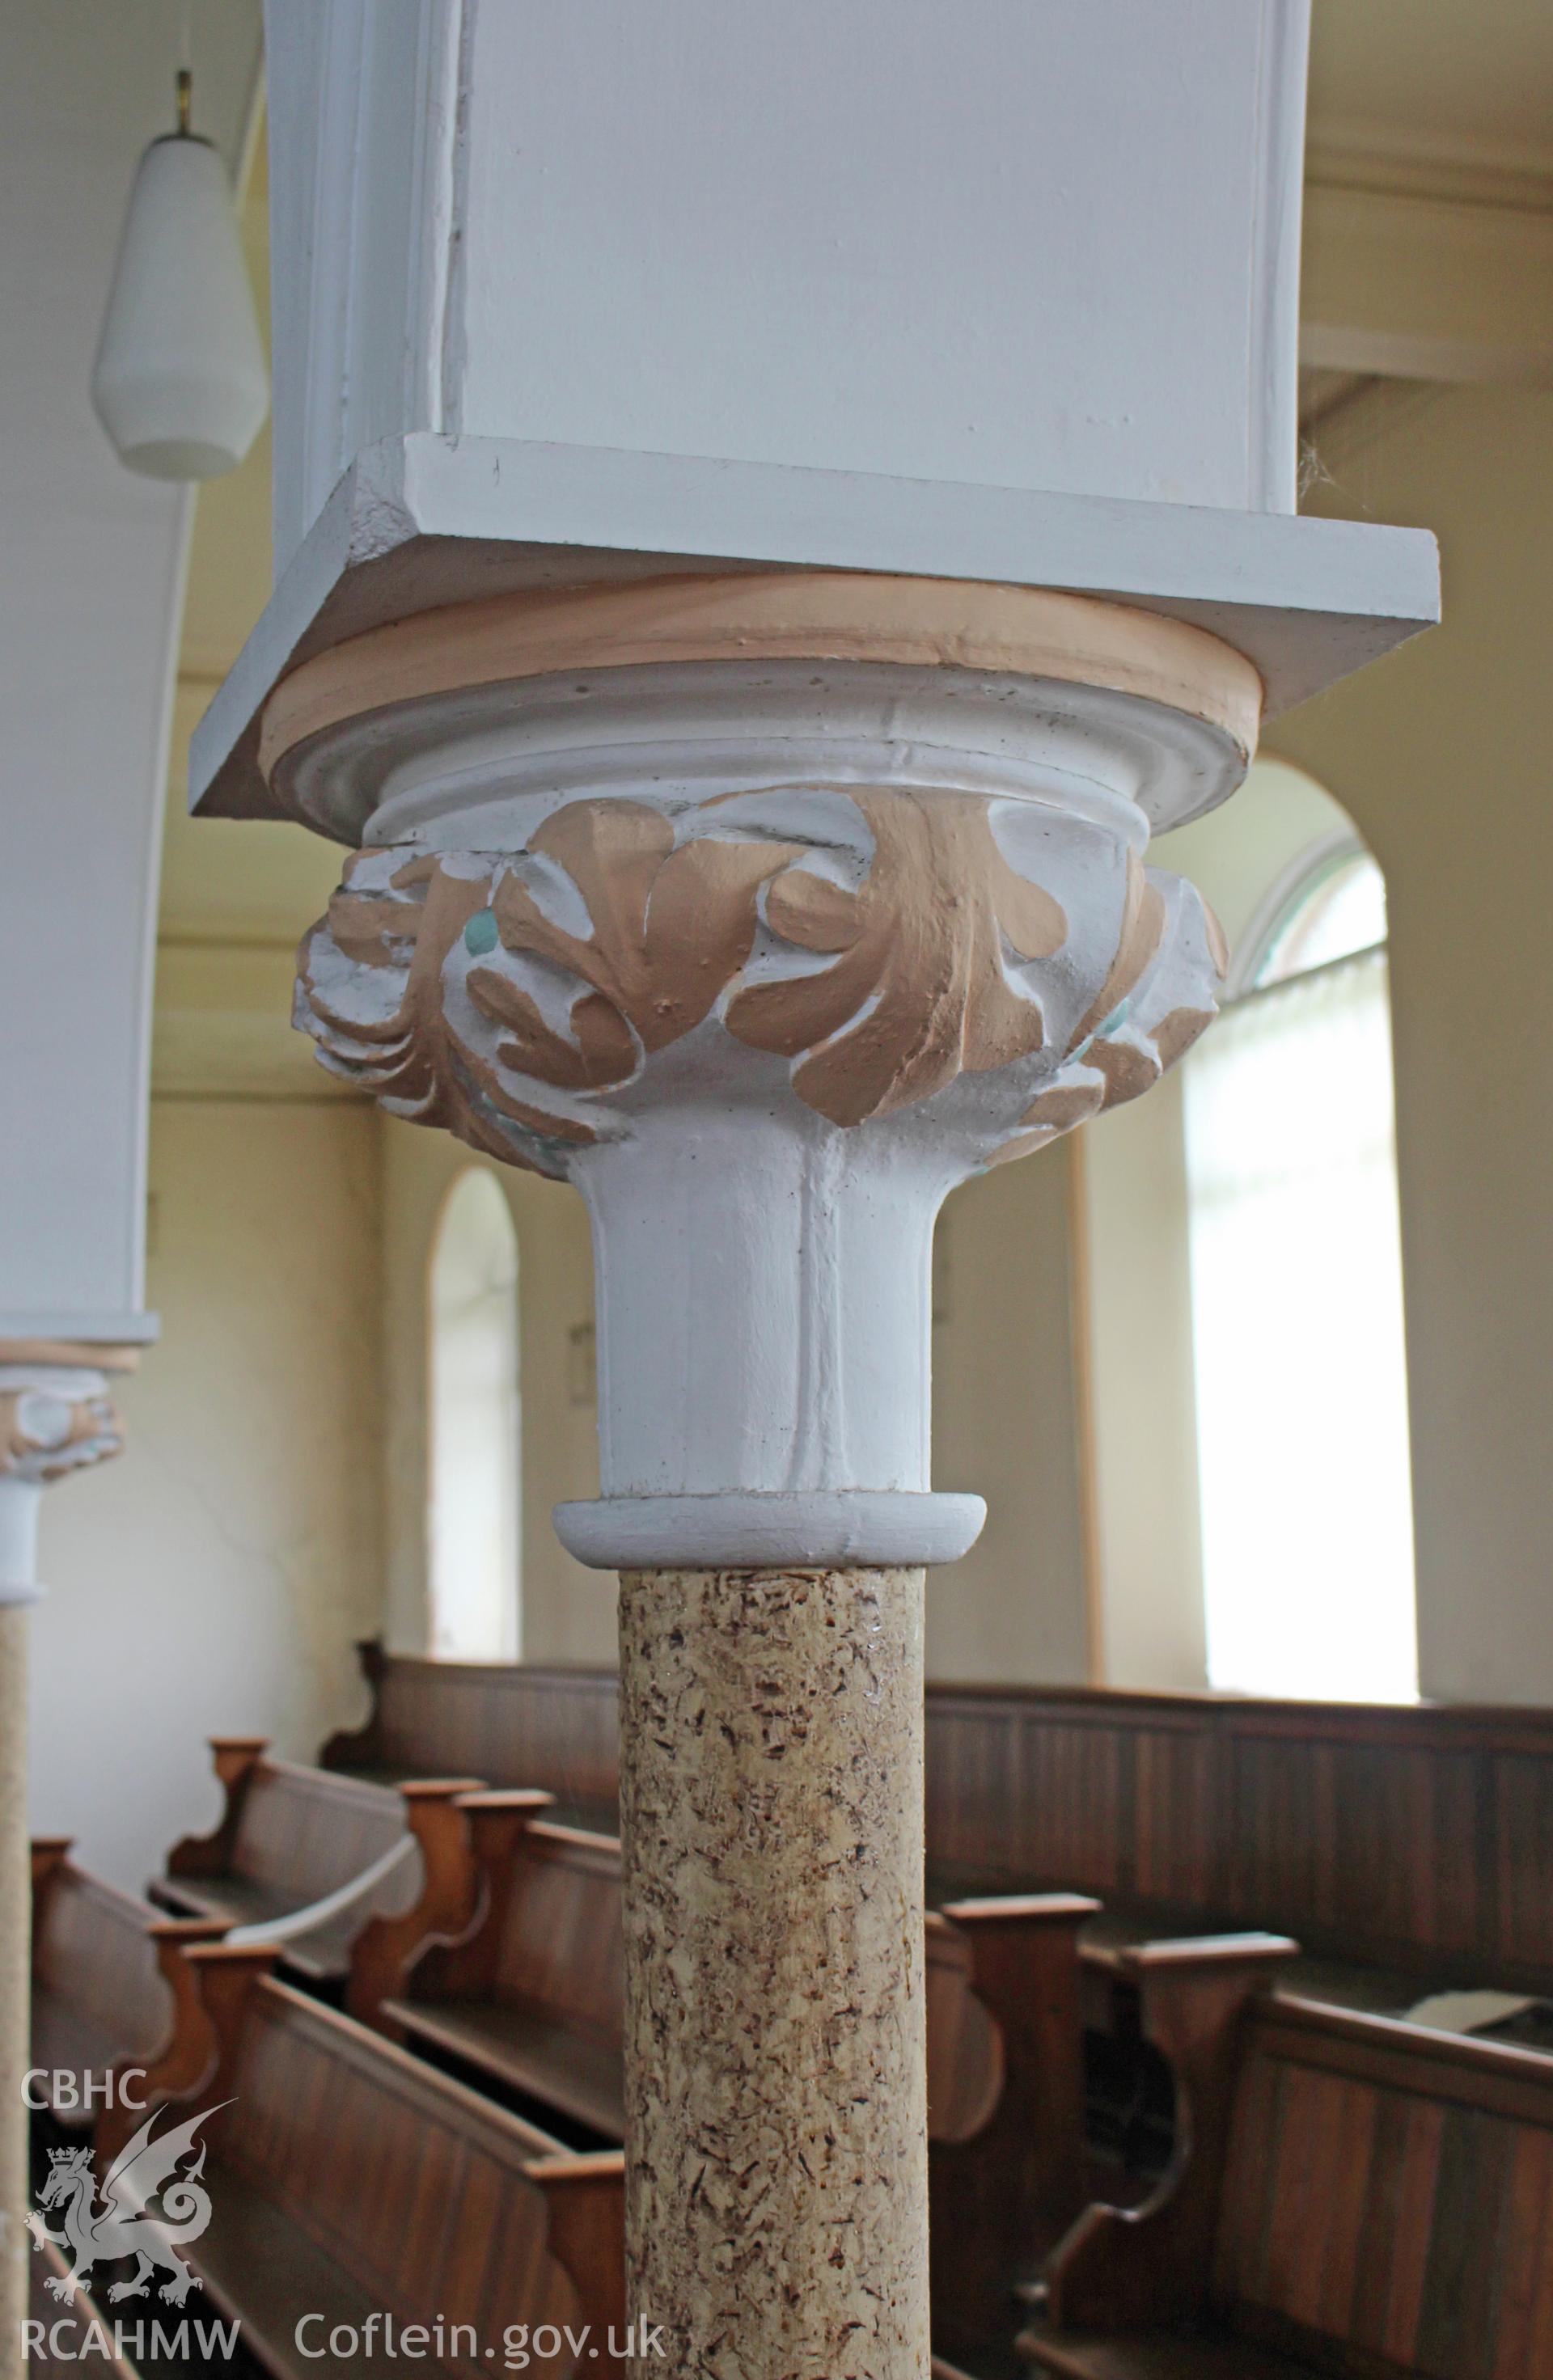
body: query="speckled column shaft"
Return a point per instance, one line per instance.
(775, 2058)
(16, 1906)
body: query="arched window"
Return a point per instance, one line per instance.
(474, 1512)
(1297, 1305)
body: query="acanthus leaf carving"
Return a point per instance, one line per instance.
(672, 924)
(883, 943)
(46, 1432)
(919, 992)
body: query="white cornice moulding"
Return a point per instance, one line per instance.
(1397, 160)
(424, 521)
(1416, 285)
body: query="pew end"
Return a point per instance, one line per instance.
(585, 2200)
(496, 1823)
(387, 1946)
(224, 1975)
(360, 1748)
(235, 1758)
(1006, 2167)
(1382, 2207)
(1125, 2267)
(177, 2065)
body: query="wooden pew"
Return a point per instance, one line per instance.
(530, 1997)
(348, 2180)
(1409, 1847)
(108, 1982)
(1379, 2202)
(1006, 2162)
(532, 1993)
(554, 1725)
(292, 1838)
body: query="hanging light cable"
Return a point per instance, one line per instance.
(179, 383)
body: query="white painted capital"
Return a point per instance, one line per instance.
(765, 910)
(56, 1417)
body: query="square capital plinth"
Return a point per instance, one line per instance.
(425, 520)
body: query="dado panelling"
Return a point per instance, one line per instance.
(1418, 1839)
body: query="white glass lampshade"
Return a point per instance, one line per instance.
(179, 383)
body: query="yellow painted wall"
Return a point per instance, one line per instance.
(1004, 1426)
(214, 1578)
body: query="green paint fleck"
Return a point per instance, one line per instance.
(480, 934)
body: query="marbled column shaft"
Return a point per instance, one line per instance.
(16, 1893)
(776, 2068)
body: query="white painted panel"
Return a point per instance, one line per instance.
(1035, 244)
(362, 110)
(91, 591)
(1003, 242)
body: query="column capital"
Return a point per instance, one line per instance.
(57, 1415)
(764, 943)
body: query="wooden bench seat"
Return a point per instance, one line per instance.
(291, 1839)
(107, 1979)
(1379, 2204)
(532, 1993)
(540, 2057)
(1167, 2359)
(262, 2268)
(348, 2179)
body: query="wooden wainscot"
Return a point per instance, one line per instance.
(1410, 1845)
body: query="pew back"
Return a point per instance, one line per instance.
(104, 1994)
(563, 1942)
(1380, 2203)
(562, 1950)
(527, 1724)
(95, 1977)
(397, 2192)
(304, 1833)
(1389, 2194)
(1413, 1840)
(419, 2190)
